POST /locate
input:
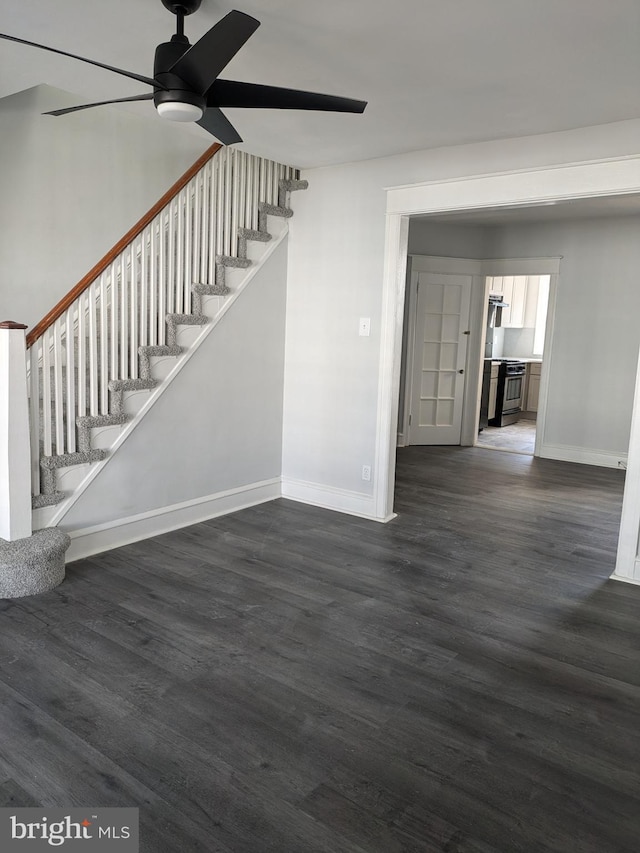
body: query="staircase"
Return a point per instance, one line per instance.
(148, 304)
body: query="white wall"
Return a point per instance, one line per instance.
(217, 427)
(596, 333)
(336, 275)
(71, 187)
(514, 343)
(447, 240)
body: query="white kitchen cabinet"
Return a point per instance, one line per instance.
(513, 289)
(533, 385)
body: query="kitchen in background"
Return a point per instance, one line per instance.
(516, 319)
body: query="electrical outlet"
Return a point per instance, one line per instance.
(366, 472)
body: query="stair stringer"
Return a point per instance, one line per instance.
(52, 515)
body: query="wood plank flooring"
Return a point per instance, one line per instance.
(463, 679)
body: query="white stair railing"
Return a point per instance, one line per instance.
(96, 339)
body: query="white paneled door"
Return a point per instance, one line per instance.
(439, 358)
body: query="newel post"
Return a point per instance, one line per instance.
(15, 452)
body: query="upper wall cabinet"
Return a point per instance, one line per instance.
(513, 289)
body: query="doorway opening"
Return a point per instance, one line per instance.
(516, 318)
(573, 184)
(448, 344)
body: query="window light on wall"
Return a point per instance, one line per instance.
(541, 314)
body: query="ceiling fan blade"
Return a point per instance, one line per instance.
(64, 112)
(219, 126)
(202, 62)
(130, 74)
(230, 93)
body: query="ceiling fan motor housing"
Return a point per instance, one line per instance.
(186, 7)
(177, 92)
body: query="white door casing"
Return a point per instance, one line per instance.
(439, 358)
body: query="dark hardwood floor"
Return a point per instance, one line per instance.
(463, 679)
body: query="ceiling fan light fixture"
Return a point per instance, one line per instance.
(179, 111)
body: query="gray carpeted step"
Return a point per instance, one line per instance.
(42, 500)
(146, 353)
(265, 210)
(247, 234)
(288, 186)
(224, 261)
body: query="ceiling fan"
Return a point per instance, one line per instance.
(185, 79)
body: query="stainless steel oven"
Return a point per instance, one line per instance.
(509, 397)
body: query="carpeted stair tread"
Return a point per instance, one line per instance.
(64, 460)
(288, 186)
(132, 384)
(145, 354)
(86, 423)
(265, 210)
(247, 234)
(95, 421)
(210, 289)
(231, 261)
(275, 210)
(175, 320)
(40, 501)
(293, 184)
(187, 320)
(253, 234)
(224, 261)
(159, 350)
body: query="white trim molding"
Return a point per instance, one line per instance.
(15, 459)
(391, 324)
(338, 500)
(614, 176)
(584, 456)
(628, 559)
(133, 528)
(624, 579)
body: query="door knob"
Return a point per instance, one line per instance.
(461, 371)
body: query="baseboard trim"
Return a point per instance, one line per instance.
(338, 500)
(123, 531)
(623, 579)
(584, 456)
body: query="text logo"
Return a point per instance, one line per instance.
(101, 830)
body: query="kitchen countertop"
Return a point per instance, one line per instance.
(527, 360)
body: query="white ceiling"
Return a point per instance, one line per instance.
(435, 72)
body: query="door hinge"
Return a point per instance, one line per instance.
(410, 416)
